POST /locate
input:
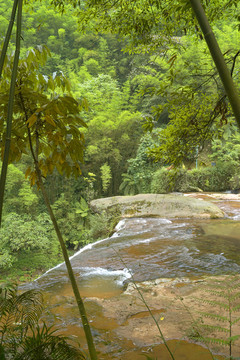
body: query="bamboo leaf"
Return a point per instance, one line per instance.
(50, 120)
(31, 121)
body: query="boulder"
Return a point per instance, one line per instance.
(149, 205)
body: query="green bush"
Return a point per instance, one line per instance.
(223, 176)
(27, 245)
(165, 181)
(215, 178)
(161, 182)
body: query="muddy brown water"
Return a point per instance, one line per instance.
(147, 248)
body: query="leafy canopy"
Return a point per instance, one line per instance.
(46, 117)
(152, 24)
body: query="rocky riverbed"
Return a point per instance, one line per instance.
(177, 305)
(160, 232)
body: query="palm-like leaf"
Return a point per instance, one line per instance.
(21, 336)
(43, 344)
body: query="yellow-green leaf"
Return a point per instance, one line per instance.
(50, 120)
(31, 121)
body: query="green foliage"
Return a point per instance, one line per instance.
(216, 178)
(72, 219)
(227, 148)
(109, 140)
(89, 181)
(102, 225)
(82, 208)
(20, 234)
(140, 168)
(26, 268)
(190, 125)
(22, 335)
(223, 176)
(129, 185)
(103, 94)
(106, 176)
(19, 196)
(161, 182)
(79, 226)
(55, 119)
(217, 325)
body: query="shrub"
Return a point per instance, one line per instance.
(215, 178)
(165, 181)
(160, 182)
(223, 176)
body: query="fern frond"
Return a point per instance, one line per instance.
(235, 321)
(215, 328)
(29, 306)
(215, 316)
(229, 285)
(219, 293)
(235, 308)
(213, 303)
(233, 338)
(21, 336)
(212, 340)
(2, 353)
(235, 296)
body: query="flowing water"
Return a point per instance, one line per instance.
(147, 248)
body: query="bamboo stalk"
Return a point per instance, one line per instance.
(80, 304)
(218, 59)
(10, 107)
(7, 37)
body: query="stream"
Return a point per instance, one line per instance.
(147, 249)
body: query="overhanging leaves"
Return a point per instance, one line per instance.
(38, 110)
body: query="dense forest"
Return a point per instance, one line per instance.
(154, 118)
(125, 91)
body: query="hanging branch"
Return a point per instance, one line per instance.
(10, 107)
(8, 35)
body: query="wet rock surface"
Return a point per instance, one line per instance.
(175, 308)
